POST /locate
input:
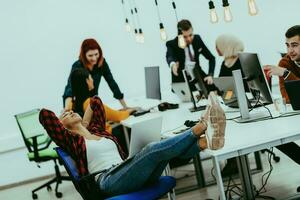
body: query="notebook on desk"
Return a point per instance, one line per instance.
(226, 87)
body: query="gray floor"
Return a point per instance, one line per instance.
(282, 184)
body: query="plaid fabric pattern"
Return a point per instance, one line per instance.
(75, 144)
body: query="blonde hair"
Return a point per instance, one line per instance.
(229, 45)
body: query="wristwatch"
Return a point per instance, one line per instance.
(286, 73)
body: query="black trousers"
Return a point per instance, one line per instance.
(292, 150)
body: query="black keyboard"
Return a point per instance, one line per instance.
(140, 112)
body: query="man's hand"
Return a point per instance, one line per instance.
(274, 70)
(175, 67)
(209, 80)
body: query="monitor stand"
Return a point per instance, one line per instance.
(253, 117)
(242, 100)
(195, 108)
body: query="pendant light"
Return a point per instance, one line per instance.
(227, 12)
(252, 7)
(213, 14)
(127, 25)
(163, 34)
(181, 41)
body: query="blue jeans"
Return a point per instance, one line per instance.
(147, 166)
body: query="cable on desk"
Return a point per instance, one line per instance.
(252, 107)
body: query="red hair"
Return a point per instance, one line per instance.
(90, 44)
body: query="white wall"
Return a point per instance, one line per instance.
(40, 40)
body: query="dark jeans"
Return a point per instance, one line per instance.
(147, 166)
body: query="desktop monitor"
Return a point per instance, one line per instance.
(152, 81)
(255, 77)
(190, 84)
(199, 82)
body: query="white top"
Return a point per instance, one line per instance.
(101, 154)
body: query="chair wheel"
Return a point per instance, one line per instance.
(34, 196)
(276, 159)
(58, 194)
(298, 189)
(49, 188)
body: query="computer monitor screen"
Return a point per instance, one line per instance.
(255, 77)
(199, 83)
(152, 81)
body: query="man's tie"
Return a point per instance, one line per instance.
(190, 54)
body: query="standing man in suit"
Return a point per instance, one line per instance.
(177, 57)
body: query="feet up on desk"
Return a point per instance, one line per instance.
(212, 124)
(216, 123)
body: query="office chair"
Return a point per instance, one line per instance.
(37, 143)
(88, 189)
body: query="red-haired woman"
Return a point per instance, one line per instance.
(91, 58)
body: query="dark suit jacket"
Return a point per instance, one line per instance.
(175, 53)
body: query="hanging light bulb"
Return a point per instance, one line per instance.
(252, 7)
(213, 14)
(163, 34)
(127, 25)
(137, 36)
(227, 12)
(181, 41)
(141, 36)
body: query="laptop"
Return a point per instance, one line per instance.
(292, 89)
(182, 91)
(226, 87)
(144, 132)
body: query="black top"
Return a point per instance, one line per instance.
(175, 53)
(227, 71)
(96, 74)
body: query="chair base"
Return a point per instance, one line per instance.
(49, 188)
(57, 179)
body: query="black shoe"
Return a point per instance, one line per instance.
(230, 168)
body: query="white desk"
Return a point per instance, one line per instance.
(240, 139)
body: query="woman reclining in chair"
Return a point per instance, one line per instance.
(94, 149)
